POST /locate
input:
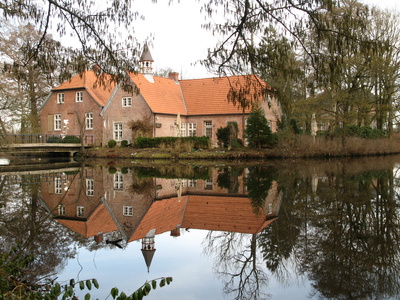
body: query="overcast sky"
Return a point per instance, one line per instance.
(179, 40)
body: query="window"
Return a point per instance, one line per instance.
(57, 122)
(57, 185)
(80, 211)
(192, 183)
(118, 181)
(118, 131)
(183, 129)
(61, 210)
(208, 184)
(208, 128)
(60, 98)
(89, 120)
(128, 211)
(126, 101)
(79, 97)
(192, 129)
(89, 187)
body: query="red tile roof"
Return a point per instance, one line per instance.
(163, 216)
(100, 88)
(210, 95)
(221, 213)
(162, 96)
(198, 96)
(99, 221)
(233, 214)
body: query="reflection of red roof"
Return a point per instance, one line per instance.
(99, 221)
(163, 216)
(94, 86)
(233, 214)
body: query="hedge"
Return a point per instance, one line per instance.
(198, 142)
(69, 139)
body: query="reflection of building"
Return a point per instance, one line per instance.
(116, 201)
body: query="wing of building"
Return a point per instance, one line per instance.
(173, 107)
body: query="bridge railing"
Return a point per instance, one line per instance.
(88, 140)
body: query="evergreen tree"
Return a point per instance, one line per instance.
(258, 132)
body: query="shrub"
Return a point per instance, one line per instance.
(124, 143)
(112, 143)
(71, 139)
(257, 130)
(223, 134)
(112, 170)
(365, 132)
(54, 139)
(197, 142)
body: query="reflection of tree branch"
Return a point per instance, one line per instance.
(237, 263)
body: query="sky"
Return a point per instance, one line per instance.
(179, 40)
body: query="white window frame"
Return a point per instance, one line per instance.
(118, 181)
(117, 131)
(192, 182)
(192, 129)
(208, 128)
(89, 187)
(60, 98)
(79, 96)
(80, 211)
(208, 184)
(57, 122)
(126, 101)
(89, 120)
(127, 211)
(57, 185)
(61, 210)
(183, 129)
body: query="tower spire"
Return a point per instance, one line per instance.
(148, 248)
(146, 61)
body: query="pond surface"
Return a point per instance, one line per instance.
(271, 230)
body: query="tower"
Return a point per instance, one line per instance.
(148, 244)
(146, 61)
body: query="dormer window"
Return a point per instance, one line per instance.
(60, 98)
(79, 97)
(126, 101)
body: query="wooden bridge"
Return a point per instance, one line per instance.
(36, 144)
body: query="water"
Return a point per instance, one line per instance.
(271, 230)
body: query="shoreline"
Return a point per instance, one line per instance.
(304, 152)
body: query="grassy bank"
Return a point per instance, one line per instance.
(294, 147)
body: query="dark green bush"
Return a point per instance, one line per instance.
(198, 142)
(365, 132)
(112, 143)
(54, 139)
(71, 139)
(112, 170)
(223, 134)
(124, 143)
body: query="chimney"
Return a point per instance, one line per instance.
(98, 238)
(174, 76)
(176, 231)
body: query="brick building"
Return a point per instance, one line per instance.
(195, 107)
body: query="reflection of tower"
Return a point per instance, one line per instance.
(148, 243)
